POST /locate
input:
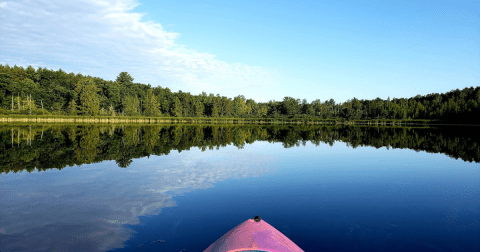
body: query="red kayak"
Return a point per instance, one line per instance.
(253, 235)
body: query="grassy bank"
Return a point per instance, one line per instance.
(165, 120)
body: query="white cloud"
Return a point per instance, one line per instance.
(104, 38)
(88, 208)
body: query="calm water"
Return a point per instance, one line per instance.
(103, 188)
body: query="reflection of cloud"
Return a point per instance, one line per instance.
(84, 208)
(197, 171)
(103, 38)
(87, 211)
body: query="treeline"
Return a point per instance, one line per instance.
(47, 147)
(41, 91)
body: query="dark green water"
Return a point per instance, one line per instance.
(113, 188)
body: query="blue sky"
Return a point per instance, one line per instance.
(265, 50)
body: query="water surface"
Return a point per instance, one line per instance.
(106, 188)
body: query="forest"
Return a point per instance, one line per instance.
(43, 147)
(42, 91)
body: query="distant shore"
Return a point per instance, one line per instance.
(162, 120)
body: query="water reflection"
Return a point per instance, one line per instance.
(86, 208)
(455, 189)
(44, 147)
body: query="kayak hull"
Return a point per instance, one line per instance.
(253, 235)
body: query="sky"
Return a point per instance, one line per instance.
(86, 207)
(264, 50)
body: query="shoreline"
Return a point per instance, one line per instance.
(157, 120)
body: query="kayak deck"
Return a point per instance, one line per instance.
(253, 235)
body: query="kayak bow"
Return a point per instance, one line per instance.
(253, 235)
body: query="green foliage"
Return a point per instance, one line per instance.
(262, 110)
(198, 108)
(24, 90)
(176, 108)
(226, 107)
(112, 95)
(72, 108)
(5, 86)
(151, 104)
(290, 106)
(214, 109)
(86, 95)
(124, 78)
(111, 111)
(239, 106)
(131, 106)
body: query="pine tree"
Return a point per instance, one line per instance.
(214, 109)
(177, 108)
(151, 104)
(72, 107)
(198, 106)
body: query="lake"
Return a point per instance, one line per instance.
(327, 188)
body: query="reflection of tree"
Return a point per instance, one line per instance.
(177, 134)
(71, 132)
(87, 147)
(151, 136)
(128, 145)
(239, 137)
(131, 136)
(123, 162)
(27, 148)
